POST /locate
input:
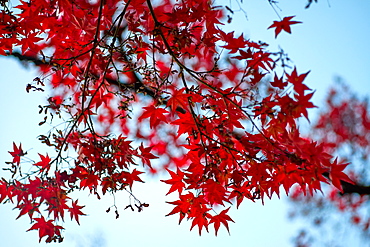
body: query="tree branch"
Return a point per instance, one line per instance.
(349, 188)
(354, 189)
(137, 86)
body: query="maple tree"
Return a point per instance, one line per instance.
(146, 87)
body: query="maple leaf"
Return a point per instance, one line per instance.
(244, 54)
(337, 175)
(221, 218)
(297, 81)
(17, 153)
(146, 155)
(29, 208)
(107, 183)
(186, 124)
(44, 163)
(46, 228)
(175, 181)
(178, 100)
(75, 211)
(233, 44)
(214, 192)
(304, 103)
(91, 181)
(55, 102)
(284, 24)
(261, 60)
(155, 114)
(201, 221)
(182, 205)
(130, 178)
(278, 82)
(4, 190)
(141, 53)
(29, 42)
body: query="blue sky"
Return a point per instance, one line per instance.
(332, 41)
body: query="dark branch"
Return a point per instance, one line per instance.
(355, 189)
(34, 60)
(349, 188)
(137, 86)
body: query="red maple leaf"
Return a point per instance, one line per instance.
(146, 155)
(17, 153)
(46, 228)
(178, 100)
(175, 181)
(130, 178)
(75, 210)
(90, 180)
(297, 81)
(107, 182)
(221, 218)
(278, 82)
(200, 221)
(233, 44)
(44, 163)
(284, 24)
(4, 191)
(156, 115)
(214, 192)
(29, 208)
(182, 205)
(186, 124)
(337, 175)
(304, 103)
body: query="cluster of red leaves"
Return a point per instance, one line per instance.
(51, 192)
(156, 75)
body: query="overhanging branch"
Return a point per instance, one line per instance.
(138, 87)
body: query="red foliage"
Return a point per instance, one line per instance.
(214, 122)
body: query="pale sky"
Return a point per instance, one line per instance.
(332, 41)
